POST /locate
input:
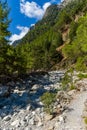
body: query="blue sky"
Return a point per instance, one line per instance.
(25, 13)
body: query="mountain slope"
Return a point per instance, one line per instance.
(53, 38)
(41, 26)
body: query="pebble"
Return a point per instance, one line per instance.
(7, 118)
(15, 123)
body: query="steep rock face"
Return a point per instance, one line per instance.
(48, 20)
(51, 11)
(65, 2)
(15, 43)
(41, 26)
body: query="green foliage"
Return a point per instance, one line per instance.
(68, 13)
(41, 26)
(11, 60)
(85, 120)
(82, 75)
(48, 99)
(65, 81)
(76, 51)
(73, 28)
(72, 87)
(41, 53)
(4, 23)
(64, 18)
(81, 64)
(38, 49)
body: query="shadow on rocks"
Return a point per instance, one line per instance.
(23, 93)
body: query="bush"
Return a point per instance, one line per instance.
(81, 64)
(65, 81)
(72, 87)
(81, 76)
(48, 99)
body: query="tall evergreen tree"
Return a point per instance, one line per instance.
(4, 34)
(4, 22)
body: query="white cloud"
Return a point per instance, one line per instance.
(32, 9)
(62, 0)
(23, 32)
(32, 25)
(46, 5)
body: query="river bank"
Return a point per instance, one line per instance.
(21, 107)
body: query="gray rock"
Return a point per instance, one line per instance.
(28, 107)
(35, 87)
(61, 118)
(63, 96)
(7, 118)
(48, 117)
(15, 123)
(81, 85)
(32, 121)
(39, 124)
(28, 128)
(23, 123)
(72, 92)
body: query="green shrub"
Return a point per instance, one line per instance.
(85, 120)
(81, 64)
(65, 81)
(72, 87)
(81, 76)
(48, 99)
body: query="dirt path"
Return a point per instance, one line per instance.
(74, 114)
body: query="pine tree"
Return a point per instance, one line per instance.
(4, 34)
(4, 23)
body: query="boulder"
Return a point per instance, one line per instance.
(35, 87)
(39, 124)
(29, 107)
(62, 118)
(48, 117)
(32, 121)
(15, 123)
(7, 118)
(63, 96)
(72, 92)
(81, 85)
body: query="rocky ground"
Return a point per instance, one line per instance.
(74, 120)
(22, 109)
